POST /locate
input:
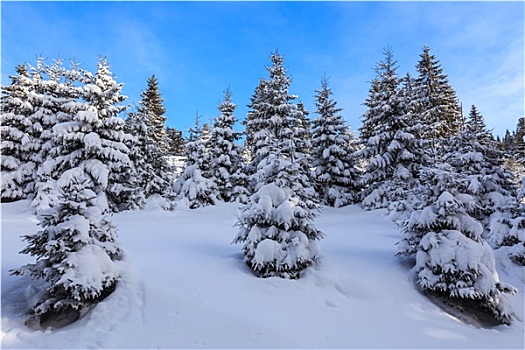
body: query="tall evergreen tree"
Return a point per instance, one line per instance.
(103, 95)
(152, 107)
(438, 104)
(150, 152)
(390, 148)
(474, 154)
(57, 91)
(86, 157)
(336, 177)
(175, 141)
(278, 236)
(225, 155)
(17, 142)
(253, 124)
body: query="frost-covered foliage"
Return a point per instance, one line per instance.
(391, 147)
(277, 231)
(278, 127)
(225, 154)
(279, 214)
(76, 250)
(333, 145)
(104, 94)
(507, 231)
(452, 259)
(474, 155)
(72, 119)
(17, 139)
(194, 187)
(88, 133)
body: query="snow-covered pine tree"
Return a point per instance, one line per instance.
(225, 155)
(253, 123)
(152, 106)
(507, 231)
(175, 141)
(277, 231)
(452, 260)
(150, 150)
(474, 154)
(76, 252)
(193, 187)
(391, 150)
(519, 138)
(55, 87)
(103, 95)
(438, 104)
(17, 144)
(335, 175)
(507, 227)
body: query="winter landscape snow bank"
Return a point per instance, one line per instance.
(188, 287)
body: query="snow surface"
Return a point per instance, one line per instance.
(188, 287)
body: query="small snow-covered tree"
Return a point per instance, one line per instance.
(277, 231)
(225, 155)
(335, 175)
(76, 251)
(193, 186)
(452, 260)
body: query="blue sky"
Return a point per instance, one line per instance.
(197, 49)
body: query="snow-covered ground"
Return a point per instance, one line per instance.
(188, 287)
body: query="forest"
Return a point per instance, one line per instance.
(73, 148)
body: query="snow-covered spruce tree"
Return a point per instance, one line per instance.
(276, 225)
(88, 134)
(253, 123)
(103, 94)
(76, 252)
(149, 152)
(335, 175)
(175, 142)
(507, 231)
(474, 154)
(452, 260)
(56, 90)
(152, 106)
(507, 228)
(17, 145)
(193, 187)
(225, 155)
(438, 104)
(136, 126)
(391, 150)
